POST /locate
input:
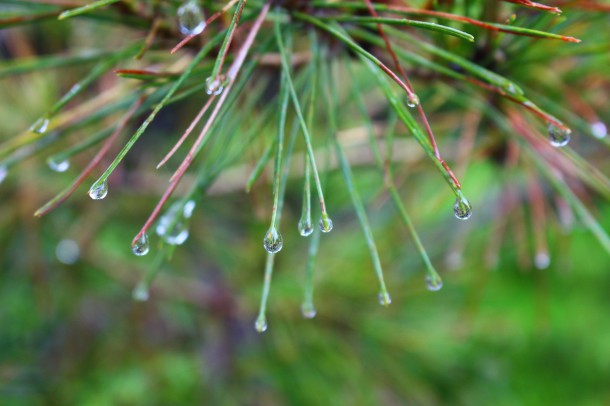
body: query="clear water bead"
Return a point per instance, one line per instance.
(308, 311)
(384, 299)
(599, 129)
(191, 18)
(305, 227)
(542, 260)
(326, 224)
(61, 166)
(434, 283)
(462, 209)
(40, 126)
(273, 241)
(260, 325)
(558, 136)
(142, 246)
(412, 100)
(99, 192)
(140, 293)
(67, 252)
(172, 227)
(213, 86)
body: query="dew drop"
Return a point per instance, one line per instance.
(462, 209)
(305, 227)
(308, 311)
(61, 166)
(434, 283)
(40, 126)
(99, 192)
(191, 18)
(542, 260)
(384, 298)
(273, 241)
(67, 252)
(260, 325)
(412, 100)
(213, 86)
(558, 136)
(326, 224)
(142, 246)
(3, 173)
(140, 293)
(172, 227)
(599, 129)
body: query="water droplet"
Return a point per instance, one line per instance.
(261, 325)
(140, 293)
(172, 227)
(213, 86)
(59, 166)
(559, 137)
(3, 173)
(542, 260)
(308, 311)
(99, 192)
(67, 252)
(40, 126)
(434, 283)
(305, 227)
(384, 298)
(412, 100)
(187, 212)
(326, 224)
(462, 209)
(512, 89)
(599, 129)
(273, 241)
(191, 18)
(142, 246)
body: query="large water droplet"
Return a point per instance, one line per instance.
(599, 129)
(434, 283)
(558, 136)
(67, 252)
(273, 241)
(542, 260)
(40, 126)
(61, 166)
(305, 227)
(3, 173)
(308, 311)
(213, 86)
(462, 209)
(191, 18)
(99, 192)
(142, 246)
(260, 325)
(172, 227)
(412, 100)
(326, 224)
(140, 293)
(384, 298)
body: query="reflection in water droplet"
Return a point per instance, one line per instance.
(558, 136)
(434, 283)
(99, 192)
(59, 166)
(308, 311)
(3, 173)
(326, 224)
(67, 252)
(305, 227)
(384, 299)
(142, 246)
(260, 325)
(542, 260)
(462, 209)
(140, 293)
(273, 241)
(599, 129)
(191, 18)
(213, 86)
(40, 126)
(412, 100)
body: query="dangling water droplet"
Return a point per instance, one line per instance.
(191, 18)
(140, 293)
(171, 227)
(273, 241)
(599, 129)
(213, 86)
(61, 166)
(305, 227)
(542, 260)
(434, 283)
(3, 173)
(326, 224)
(462, 209)
(142, 246)
(40, 126)
(261, 325)
(67, 252)
(99, 192)
(412, 100)
(384, 298)
(559, 137)
(308, 311)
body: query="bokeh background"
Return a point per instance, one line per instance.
(500, 332)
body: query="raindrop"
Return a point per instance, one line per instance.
(140, 293)
(67, 252)
(384, 298)
(412, 100)
(261, 325)
(434, 283)
(273, 241)
(542, 260)
(559, 137)
(142, 246)
(462, 208)
(213, 86)
(308, 311)
(191, 18)
(3, 173)
(599, 129)
(99, 192)
(326, 224)
(61, 166)
(305, 227)
(172, 227)
(40, 126)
